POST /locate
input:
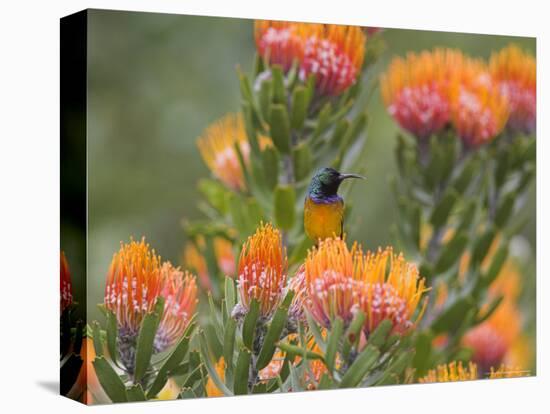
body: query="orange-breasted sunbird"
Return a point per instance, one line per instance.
(324, 208)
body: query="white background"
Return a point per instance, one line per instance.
(29, 206)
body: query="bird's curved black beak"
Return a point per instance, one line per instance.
(344, 176)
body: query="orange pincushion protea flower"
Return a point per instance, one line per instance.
(217, 148)
(335, 57)
(415, 90)
(179, 291)
(479, 110)
(262, 270)
(136, 279)
(451, 372)
(282, 43)
(382, 285)
(66, 286)
(515, 73)
(492, 339)
(333, 53)
(134, 283)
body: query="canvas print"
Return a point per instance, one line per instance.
(255, 207)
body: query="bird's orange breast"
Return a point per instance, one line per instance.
(322, 220)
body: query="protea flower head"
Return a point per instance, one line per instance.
(515, 73)
(382, 285)
(479, 111)
(415, 90)
(282, 43)
(217, 148)
(66, 286)
(298, 285)
(262, 271)
(333, 53)
(493, 339)
(451, 372)
(335, 57)
(179, 291)
(135, 280)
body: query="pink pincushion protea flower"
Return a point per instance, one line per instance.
(217, 148)
(66, 286)
(342, 282)
(479, 113)
(492, 339)
(136, 279)
(262, 271)
(333, 53)
(179, 291)
(515, 73)
(282, 43)
(415, 90)
(335, 57)
(423, 110)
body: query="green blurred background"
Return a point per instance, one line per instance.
(156, 81)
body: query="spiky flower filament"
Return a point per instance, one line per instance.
(333, 53)
(262, 270)
(66, 286)
(451, 372)
(515, 73)
(179, 291)
(382, 285)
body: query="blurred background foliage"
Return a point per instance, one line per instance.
(156, 81)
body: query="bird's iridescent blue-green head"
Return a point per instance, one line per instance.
(325, 183)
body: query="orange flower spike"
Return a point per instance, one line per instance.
(262, 270)
(515, 73)
(66, 286)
